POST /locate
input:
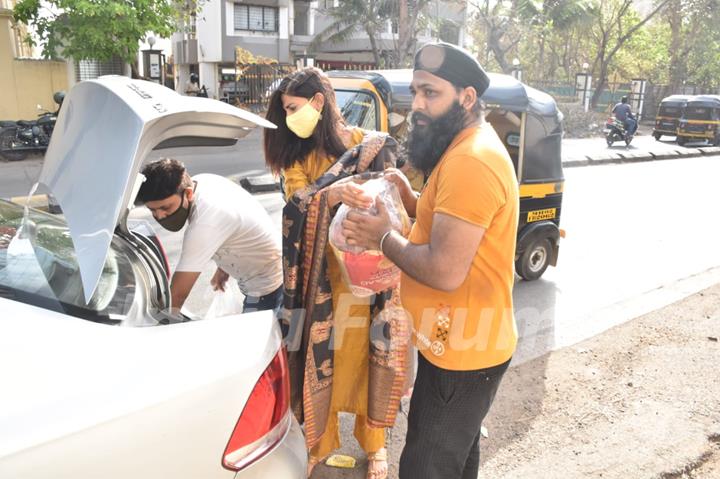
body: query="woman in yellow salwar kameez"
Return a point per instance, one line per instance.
(334, 372)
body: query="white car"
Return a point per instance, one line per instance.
(96, 378)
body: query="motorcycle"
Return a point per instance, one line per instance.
(18, 138)
(615, 131)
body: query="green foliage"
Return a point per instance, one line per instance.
(704, 62)
(553, 38)
(645, 55)
(99, 29)
(355, 16)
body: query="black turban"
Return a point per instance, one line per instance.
(453, 64)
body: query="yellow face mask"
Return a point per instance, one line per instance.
(303, 121)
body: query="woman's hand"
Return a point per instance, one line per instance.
(350, 194)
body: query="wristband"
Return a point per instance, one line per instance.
(383, 239)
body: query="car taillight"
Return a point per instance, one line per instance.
(265, 419)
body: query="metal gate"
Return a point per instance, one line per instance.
(91, 69)
(255, 83)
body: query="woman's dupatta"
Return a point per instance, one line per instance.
(307, 314)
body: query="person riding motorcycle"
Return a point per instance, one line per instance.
(623, 113)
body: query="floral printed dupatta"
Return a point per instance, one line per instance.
(307, 313)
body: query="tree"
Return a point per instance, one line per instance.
(616, 23)
(498, 24)
(693, 30)
(410, 20)
(553, 22)
(509, 26)
(99, 29)
(645, 55)
(356, 16)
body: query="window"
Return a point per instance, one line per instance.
(358, 108)
(669, 111)
(254, 18)
(698, 113)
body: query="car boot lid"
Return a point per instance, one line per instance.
(104, 133)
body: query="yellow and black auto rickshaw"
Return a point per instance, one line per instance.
(527, 121)
(668, 115)
(700, 121)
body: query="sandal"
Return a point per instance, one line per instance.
(377, 464)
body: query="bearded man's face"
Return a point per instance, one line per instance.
(437, 117)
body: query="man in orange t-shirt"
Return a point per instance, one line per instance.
(457, 263)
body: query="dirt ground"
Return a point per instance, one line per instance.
(641, 400)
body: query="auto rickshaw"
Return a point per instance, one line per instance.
(669, 113)
(701, 120)
(526, 120)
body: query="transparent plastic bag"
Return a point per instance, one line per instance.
(226, 303)
(367, 272)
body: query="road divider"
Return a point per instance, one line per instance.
(634, 156)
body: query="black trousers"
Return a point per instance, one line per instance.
(447, 409)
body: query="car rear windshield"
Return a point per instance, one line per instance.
(358, 108)
(38, 266)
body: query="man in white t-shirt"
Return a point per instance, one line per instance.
(225, 224)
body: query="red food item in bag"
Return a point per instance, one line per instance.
(368, 272)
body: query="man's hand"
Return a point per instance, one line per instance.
(180, 286)
(219, 280)
(407, 194)
(365, 230)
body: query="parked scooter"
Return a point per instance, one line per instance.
(19, 138)
(615, 131)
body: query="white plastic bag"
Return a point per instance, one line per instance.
(367, 272)
(226, 303)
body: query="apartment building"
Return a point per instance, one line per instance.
(284, 31)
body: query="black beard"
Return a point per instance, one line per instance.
(426, 144)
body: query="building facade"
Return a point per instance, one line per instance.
(284, 30)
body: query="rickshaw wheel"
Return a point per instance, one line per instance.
(681, 140)
(534, 260)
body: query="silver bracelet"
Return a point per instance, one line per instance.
(383, 239)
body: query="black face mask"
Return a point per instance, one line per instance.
(427, 143)
(176, 220)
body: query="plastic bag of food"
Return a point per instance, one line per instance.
(368, 272)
